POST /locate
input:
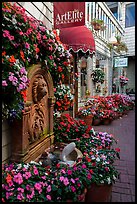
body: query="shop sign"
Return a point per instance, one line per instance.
(69, 14)
(120, 62)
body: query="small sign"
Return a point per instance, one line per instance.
(120, 62)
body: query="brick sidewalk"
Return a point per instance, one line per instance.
(124, 130)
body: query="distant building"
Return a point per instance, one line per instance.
(125, 14)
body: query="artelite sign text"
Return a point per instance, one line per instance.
(69, 14)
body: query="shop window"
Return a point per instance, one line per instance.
(130, 15)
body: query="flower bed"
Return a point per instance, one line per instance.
(110, 107)
(57, 182)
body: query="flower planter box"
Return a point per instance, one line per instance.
(99, 193)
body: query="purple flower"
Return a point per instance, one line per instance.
(4, 83)
(24, 79)
(23, 70)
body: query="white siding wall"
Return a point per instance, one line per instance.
(129, 35)
(47, 17)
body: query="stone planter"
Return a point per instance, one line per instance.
(106, 121)
(99, 193)
(81, 197)
(88, 119)
(96, 121)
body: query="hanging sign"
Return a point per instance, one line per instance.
(69, 14)
(120, 62)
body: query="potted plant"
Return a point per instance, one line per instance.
(64, 98)
(86, 113)
(98, 24)
(98, 75)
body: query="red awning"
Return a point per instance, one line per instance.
(78, 38)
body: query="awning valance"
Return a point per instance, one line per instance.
(78, 38)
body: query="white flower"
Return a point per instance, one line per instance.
(108, 179)
(102, 181)
(33, 162)
(26, 165)
(98, 159)
(114, 177)
(19, 166)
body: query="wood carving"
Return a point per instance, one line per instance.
(38, 112)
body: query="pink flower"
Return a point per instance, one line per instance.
(48, 197)
(37, 186)
(44, 37)
(6, 33)
(27, 175)
(4, 83)
(29, 31)
(21, 190)
(18, 178)
(78, 184)
(51, 57)
(20, 196)
(69, 172)
(66, 182)
(35, 171)
(83, 166)
(61, 178)
(89, 176)
(8, 194)
(27, 45)
(72, 180)
(49, 188)
(21, 33)
(107, 169)
(73, 188)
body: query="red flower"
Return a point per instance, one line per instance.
(24, 95)
(91, 171)
(117, 149)
(58, 103)
(60, 69)
(8, 178)
(12, 59)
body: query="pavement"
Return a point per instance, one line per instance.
(123, 129)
